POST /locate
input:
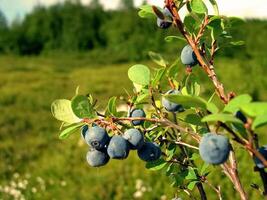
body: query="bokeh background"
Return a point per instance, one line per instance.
(48, 48)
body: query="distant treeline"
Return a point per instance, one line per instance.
(73, 27)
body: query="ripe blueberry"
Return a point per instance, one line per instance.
(263, 151)
(167, 21)
(137, 113)
(96, 137)
(118, 147)
(97, 158)
(170, 106)
(188, 57)
(214, 149)
(149, 152)
(134, 137)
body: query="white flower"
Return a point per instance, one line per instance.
(34, 190)
(138, 194)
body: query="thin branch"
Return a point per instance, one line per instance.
(180, 143)
(201, 191)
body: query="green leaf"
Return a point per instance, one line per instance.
(112, 108)
(139, 74)
(171, 38)
(68, 131)
(77, 90)
(146, 12)
(191, 174)
(173, 69)
(198, 6)
(156, 165)
(237, 43)
(170, 151)
(255, 109)
(222, 118)
(215, 6)
(234, 105)
(62, 111)
(195, 156)
(187, 101)
(159, 75)
(191, 185)
(216, 28)
(141, 98)
(259, 121)
(212, 107)
(157, 58)
(191, 24)
(82, 107)
(204, 168)
(192, 86)
(235, 21)
(169, 170)
(193, 119)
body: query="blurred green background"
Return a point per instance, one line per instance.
(53, 50)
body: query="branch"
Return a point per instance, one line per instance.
(201, 191)
(205, 65)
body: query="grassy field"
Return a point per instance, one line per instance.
(35, 164)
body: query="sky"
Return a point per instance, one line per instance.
(241, 8)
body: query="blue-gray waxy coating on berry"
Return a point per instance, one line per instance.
(167, 22)
(149, 152)
(134, 137)
(96, 137)
(118, 147)
(263, 151)
(170, 106)
(214, 149)
(137, 113)
(188, 57)
(97, 158)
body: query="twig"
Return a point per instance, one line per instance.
(180, 143)
(201, 191)
(216, 189)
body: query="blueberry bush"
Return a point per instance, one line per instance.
(168, 122)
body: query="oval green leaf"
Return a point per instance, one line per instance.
(157, 58)
(198, 6)
(187, 101)
(112, 108)
(156, 165)
(221, 117)
(259, 121)
(255, 109)
(139, 74)
(68, 131)
(171, 38)
(234, 105)
(82, 107)
(62, 111)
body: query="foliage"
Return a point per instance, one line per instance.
(178, 137)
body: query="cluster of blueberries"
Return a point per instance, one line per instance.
(103, 147)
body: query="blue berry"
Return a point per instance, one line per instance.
(214, 149)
